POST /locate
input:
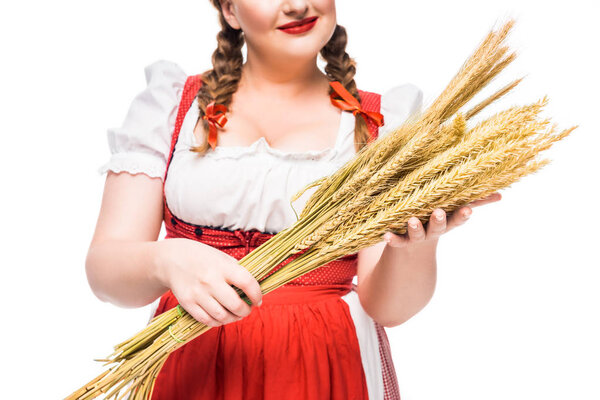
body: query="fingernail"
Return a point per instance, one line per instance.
(439, 217)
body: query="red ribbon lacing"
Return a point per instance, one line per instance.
(349, 103)
(214, 118)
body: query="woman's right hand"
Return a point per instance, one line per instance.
(200, 276)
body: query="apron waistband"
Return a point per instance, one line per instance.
(294, 294)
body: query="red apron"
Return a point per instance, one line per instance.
(300, 343)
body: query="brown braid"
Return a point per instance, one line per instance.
(221, 82)
(340, 67)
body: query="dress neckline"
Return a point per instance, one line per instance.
(261, 144)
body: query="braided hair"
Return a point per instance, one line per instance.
(221, 82)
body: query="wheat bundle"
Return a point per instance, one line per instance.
(431, 161)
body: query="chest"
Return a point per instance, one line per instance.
(247, 187)
(286, 126)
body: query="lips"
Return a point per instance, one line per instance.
(297, 23)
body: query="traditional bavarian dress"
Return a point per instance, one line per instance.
(311, 338)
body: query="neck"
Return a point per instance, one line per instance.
(282, 78)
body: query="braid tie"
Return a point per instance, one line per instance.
(349, 103)
(214, 118)
(341, 69)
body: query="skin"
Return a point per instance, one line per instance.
(281, 75)
(397, 277)
(127, 266)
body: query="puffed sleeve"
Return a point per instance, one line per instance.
(142, 143)
(397, 104)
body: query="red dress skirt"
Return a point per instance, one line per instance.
(299, 344)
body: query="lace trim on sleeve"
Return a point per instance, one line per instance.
(135, 163)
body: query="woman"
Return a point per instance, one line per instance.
(217, 157)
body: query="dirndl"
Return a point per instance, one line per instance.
(299, 344)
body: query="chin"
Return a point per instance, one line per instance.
(300, 54)
(298, 48)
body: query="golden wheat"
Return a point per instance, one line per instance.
(428, 162)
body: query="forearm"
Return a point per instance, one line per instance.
(125, 273)
(401, 284)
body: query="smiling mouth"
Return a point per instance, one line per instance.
(298, 23)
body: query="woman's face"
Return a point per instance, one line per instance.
(260, 19)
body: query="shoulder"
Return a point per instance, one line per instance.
(156, 103)
(400, 102)
(396, 103)
(403, 98)
(165, 73)
(143, 141)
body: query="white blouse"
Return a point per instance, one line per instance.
(235, 187)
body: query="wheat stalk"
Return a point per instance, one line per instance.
(426, 163)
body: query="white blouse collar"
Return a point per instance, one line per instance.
(346, 127)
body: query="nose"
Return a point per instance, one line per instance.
(295, 7)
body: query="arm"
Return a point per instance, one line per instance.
(400, 282)
(122, 257)
(126, 266)
(397, 277)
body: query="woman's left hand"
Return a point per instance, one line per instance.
(436, 226)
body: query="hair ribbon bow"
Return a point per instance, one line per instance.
(349, 103)
(214, 118)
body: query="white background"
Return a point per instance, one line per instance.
(515, 312)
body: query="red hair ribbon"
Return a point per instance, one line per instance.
(214, 119)
(349, 103)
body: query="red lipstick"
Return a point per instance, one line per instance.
(301, 26)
